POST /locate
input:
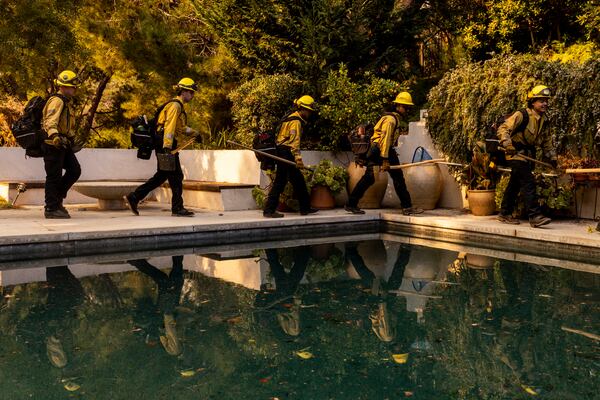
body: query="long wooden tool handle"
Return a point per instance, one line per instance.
(533, 160)
(437, 160)
(183, 146)
(283, 160)
(582, 170)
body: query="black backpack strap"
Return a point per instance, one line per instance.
(523, 125)
(391, 114)
(162, 107)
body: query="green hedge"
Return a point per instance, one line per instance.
(343, 104)
(470, 98)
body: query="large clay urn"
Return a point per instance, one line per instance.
(424, 183)
(374, 195)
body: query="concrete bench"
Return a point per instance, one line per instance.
(108, 193)
(220, 196)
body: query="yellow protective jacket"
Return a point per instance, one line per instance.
(534, 136)
(172, 122)
(290, 133)
(58, 117)
(386, 133)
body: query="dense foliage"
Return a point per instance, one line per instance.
(468, 100)
(129, 54)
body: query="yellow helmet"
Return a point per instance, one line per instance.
(404, 98)
(306, 102)
(187, 84)
(539, 92)
(66, 78)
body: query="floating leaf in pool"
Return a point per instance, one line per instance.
(71, 386)
(529, 390)
(305, 355)
(400, 358)
(187, 373)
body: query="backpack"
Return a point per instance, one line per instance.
(267, 143)
(492, 134)
(360, 139)
(27, 130)
(144, 135)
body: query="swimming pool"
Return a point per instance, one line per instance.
(360, 319)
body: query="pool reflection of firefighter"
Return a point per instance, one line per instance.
(163, 324)
(382, 321)
(65, 295)
(284, 302)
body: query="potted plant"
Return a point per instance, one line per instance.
(481, 176)
(324, 183)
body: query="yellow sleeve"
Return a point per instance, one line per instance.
(51, 115)
(172, 111)
(294, 138)
(507, 128)
(387, 133)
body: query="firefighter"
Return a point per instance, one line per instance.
(171, 124)
(382, 153)
(58, 121)
(288, 147)
(526, 142)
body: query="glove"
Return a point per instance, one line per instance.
(385, 166)
(554, 163)
(166, 150)
(60, 142)
(299, 163)
(510, 150)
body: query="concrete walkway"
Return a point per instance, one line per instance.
(25, 231)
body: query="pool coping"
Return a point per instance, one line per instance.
(483, 232)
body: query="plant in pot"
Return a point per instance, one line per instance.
(481, 176)
(324, 183)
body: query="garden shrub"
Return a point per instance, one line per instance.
(470, 98)
(347, 103)
(261, 102)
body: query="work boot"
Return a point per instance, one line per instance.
(539, 220)
(508, 219)
(273, 214)
(412, 210)
(56, 214)
(132, 203)
(353, 209)
(309, 211)
(182, 213)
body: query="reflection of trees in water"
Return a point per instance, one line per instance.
(223, 335)
(501, 329)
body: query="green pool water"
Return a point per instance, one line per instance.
(356, 320)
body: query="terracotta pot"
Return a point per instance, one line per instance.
(482, 202)
(321, 198)
(424, 183)
(580, 177)
(374, 195)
